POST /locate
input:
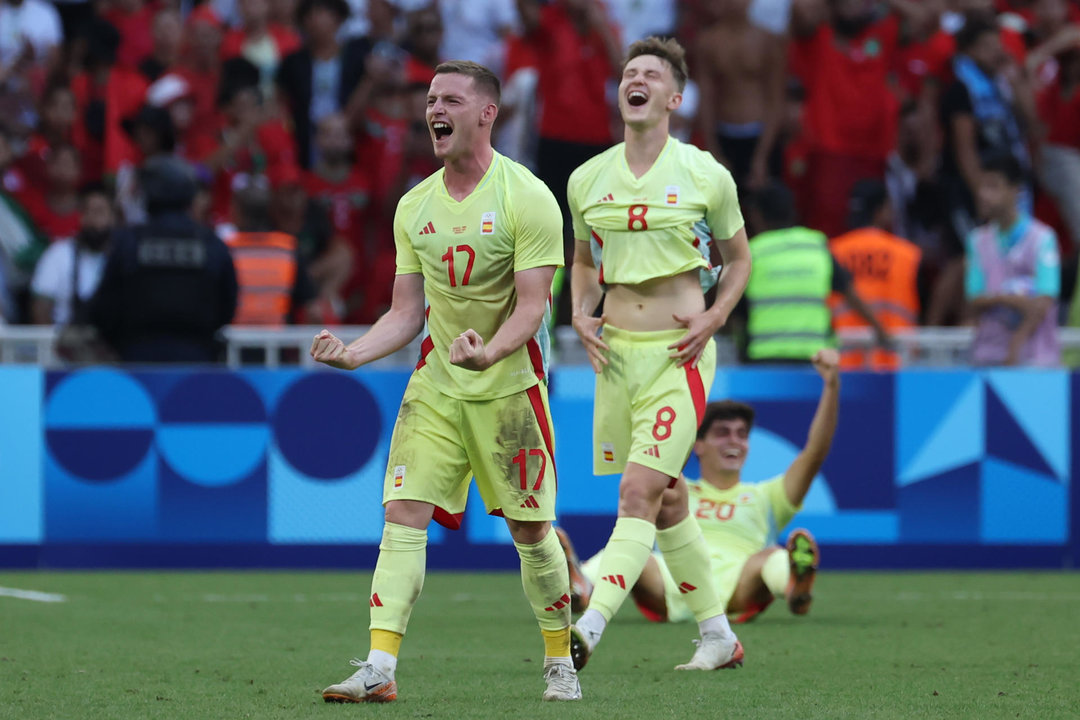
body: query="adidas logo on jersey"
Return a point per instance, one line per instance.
(530, 502)
(428, 229)
(607, 198)
(654, 451)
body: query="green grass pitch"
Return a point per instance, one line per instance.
(262, 645)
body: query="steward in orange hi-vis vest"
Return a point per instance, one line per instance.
(266, 273)
(885, 269)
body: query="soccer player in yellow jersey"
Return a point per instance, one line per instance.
(647, 215)
(477, 246)
(742, 520)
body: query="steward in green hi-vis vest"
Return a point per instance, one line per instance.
(788, 293)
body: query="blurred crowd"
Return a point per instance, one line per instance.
(288, 130)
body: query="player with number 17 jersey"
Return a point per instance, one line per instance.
(468, 253)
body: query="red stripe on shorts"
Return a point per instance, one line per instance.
(449, 520)
(697, 391)
(537, 400)
(537, 358)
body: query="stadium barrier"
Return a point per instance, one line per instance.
(257, 346)
(186, 467)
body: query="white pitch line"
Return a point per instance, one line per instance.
(32, 595)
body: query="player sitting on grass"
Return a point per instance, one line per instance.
(740, 520)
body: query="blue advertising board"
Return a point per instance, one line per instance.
(207, 468)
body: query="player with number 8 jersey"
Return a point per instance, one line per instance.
(648, 216)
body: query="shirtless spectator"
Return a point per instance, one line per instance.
(741, 73)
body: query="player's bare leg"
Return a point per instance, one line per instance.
(547, 586)
(752, 594)
(687, 558)
(395, 586)
(627, 551)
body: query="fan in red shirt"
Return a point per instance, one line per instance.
(579, 54)
(338, 183)
(200, 63)
(56, 212)
(134, 20)
(263, 43)
(851, 110)
(56, 122)
(249, 142)
(105, 93)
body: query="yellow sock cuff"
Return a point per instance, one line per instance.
(681, 533)
(775, 572)
(402, 537)
(556, 642)
(387, 641)
(635, 530)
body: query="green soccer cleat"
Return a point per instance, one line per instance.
(803, 555)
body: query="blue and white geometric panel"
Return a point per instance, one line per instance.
(983, 456)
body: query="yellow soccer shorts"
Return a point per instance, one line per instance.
(507, 444)
(648, 407)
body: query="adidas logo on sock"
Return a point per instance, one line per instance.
(616, 580)
(558, 604)
(685, 587)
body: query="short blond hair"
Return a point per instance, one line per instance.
(486, 81)
(668, 50)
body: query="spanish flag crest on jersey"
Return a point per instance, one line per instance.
(487, 223)
(672, 194)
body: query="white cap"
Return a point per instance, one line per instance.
(166, 90)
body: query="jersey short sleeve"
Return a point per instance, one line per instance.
(408, 262)
(974, 278)
(782, 509)
(723, 216)
(577, 220)
(538, 228)
(1048, 266)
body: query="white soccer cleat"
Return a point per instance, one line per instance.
(562, 683)
(715, 651)
(582, 644)
(368, 684)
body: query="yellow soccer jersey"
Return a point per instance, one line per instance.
(468, 253)
(743, 519)
(658, 225)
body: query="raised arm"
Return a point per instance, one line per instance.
(533, 287)
(390, 333)
(802, 470)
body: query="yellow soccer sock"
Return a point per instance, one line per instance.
(687, 558)
(398, 579)
(621, 564)
(775, 573)
(386, 641)
(557, 643)
(546, 582)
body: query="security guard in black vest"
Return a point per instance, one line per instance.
(169, 286)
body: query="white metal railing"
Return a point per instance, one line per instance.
(255, 346)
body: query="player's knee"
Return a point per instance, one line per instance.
(411, 513)
(527, 532)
